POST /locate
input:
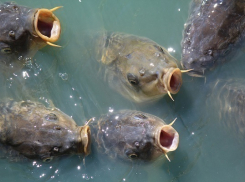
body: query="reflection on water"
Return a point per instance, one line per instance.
(68, 77)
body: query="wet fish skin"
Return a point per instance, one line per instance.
(37, 132)
(214, 29)
(18, 35)
(137, 67)
(133, 135)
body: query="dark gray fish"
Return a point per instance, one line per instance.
(135, 135)
(23, 31)
(37, 132)
(213, 30)
(137, 67)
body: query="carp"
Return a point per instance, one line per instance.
(137, 67)
(132, 135)
(230, 104)
(37, 132)
(23, 31)
(213, 31)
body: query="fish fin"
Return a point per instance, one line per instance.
(170, 95)
(167, 157)
(172, 122)
(185, 71)
(51, 44)
(51, 104)
(54, 9)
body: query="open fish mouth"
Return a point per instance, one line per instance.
(167, 139)
(47, 25)
(174, 81)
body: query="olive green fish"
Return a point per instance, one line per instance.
(137, 67)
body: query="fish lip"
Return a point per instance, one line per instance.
(84, 140)
(50, 22)
(167, 139)
(172, 80)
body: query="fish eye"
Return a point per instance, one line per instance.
(6, 50)
(133, 156)
(133, 80)
(48, 159)
(57, 128)
(140, 116)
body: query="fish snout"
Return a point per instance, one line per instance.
(47, 25)
(198, 62)
(172, 80)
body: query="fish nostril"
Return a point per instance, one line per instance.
(12, 34)
(142, 72)
(56, 149)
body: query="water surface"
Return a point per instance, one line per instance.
(69, 77)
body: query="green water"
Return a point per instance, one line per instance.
(207, 152)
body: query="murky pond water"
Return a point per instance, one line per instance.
(70, 77)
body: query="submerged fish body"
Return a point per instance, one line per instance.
(213, 30)
(129, 134)
(22, 32)
(137, 67)
(231, 105)
(34, 131)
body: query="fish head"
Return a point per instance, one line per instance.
(197, 59)
(201, 47)
(134, 135)
(45, 133)
(149, 72)
(23, 31)
(61, 136)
